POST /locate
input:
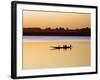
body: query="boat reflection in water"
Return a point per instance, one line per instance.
(62, 47)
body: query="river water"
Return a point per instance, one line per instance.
(38, 53)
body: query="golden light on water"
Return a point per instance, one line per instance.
(38, 55)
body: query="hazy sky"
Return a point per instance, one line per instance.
(55, 19)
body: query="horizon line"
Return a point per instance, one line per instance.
(56, 28)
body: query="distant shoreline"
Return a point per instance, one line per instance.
(56, 32)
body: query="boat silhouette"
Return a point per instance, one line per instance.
(62, 47)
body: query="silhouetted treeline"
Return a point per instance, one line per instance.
(56, 32)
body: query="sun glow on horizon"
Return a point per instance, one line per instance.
(43, 20)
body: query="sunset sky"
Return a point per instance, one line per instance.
(55, 19)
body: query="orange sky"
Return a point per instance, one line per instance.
(55, 19)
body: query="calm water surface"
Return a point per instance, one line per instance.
(38, 54)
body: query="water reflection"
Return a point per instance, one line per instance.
(61, 49)
(40, 54)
